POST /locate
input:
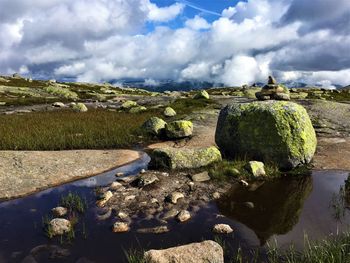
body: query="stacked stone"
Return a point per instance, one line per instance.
(273, 91)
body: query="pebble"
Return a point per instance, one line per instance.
(201, 177)
(216, 195)
(222, 229)
(123, 215)
(244, 183)
(119, 174)
(115, 185)
(143, 171)
(105, 198)
(120, 227)
(59, 211)
(175, 196)
(183, 216)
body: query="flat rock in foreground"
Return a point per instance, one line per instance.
(204, 252)
(25, 172)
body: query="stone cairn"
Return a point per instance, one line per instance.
(273, 91)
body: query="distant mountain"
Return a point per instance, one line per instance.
(170, 85)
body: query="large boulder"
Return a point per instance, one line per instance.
(178, 129)
(154, 126)
(204, 252)
(271, 131)
(202, 95)
(80, 107)
(175, 158)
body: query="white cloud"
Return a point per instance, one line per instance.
(164, 14)
(104, 40)
(197, 23)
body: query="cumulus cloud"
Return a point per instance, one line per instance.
(107, 40)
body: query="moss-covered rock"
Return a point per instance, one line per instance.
(129, 104)
(202, 95)
(272, 131)
(178, 129)
(255, 168)
(154, 126)
(174, 158)
(57, 90)
(169, 112)
(80, 107)
(137, 109)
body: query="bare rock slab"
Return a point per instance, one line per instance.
(204, 252)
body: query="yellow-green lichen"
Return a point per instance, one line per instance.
(178, 129)
(172, 158)
(273, 131)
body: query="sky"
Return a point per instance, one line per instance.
(223, 41)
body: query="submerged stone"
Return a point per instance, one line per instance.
(272, 131)
(59, 226)
(174, 158)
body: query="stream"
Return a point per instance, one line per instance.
(281, 211)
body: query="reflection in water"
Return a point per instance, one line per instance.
(268, 208)
(347, 191)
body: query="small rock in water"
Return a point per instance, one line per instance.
(59, 226)
(59, 211)
(216, 195)
(175, 196)
(201, 177)
(115, 186)
(119, 174)
(183, 216)
(142, 171)
(222, 229)
(170, 214)
(105, 198)
(154, 230)
(123, 215)
(120, 227)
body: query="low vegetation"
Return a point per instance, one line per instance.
(226, 170)
(73, 202)
(188, 105)
(62, 130)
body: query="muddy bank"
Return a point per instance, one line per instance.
(25, 172)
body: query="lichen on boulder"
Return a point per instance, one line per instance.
(202, 95)
(256, 169)
(174, 158)
(179, 129)
(271, 131)
(169, 112)
(138, 109)
(154, 126)
(80, 107)
(129, 104)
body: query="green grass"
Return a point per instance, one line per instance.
(135, 256)
(226, 170)
(63, 130)
(73, 202)
(188, 105)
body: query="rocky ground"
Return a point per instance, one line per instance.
(22, 172)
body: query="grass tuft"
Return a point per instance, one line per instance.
(68, 130)
(73, 202)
